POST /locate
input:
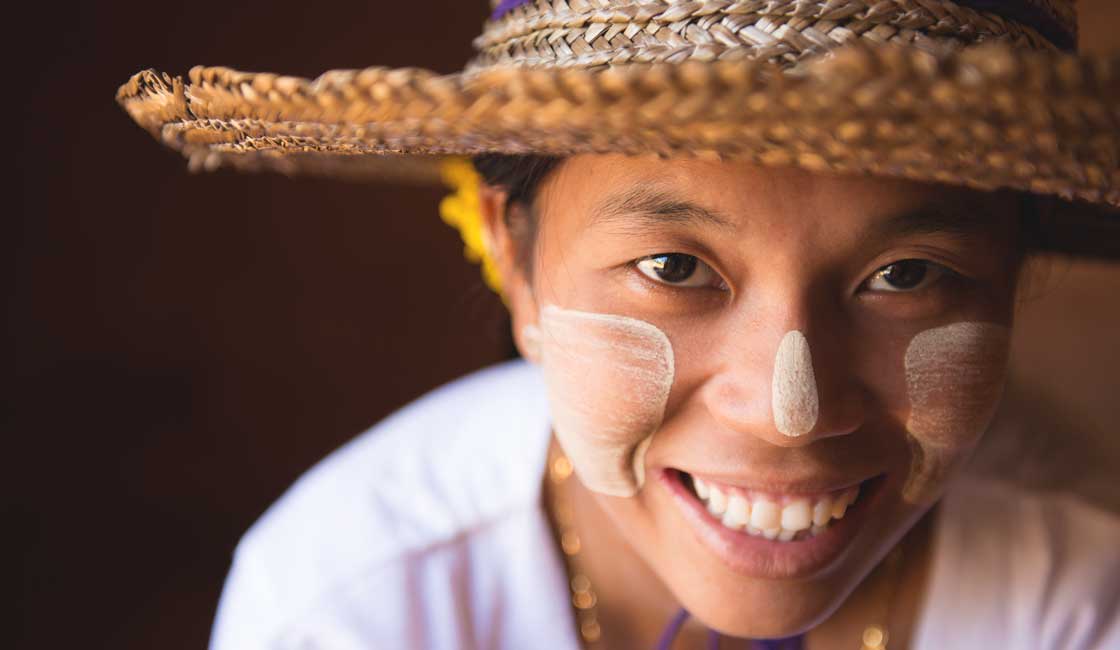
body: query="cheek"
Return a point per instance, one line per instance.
(608, 379)
(954, 378)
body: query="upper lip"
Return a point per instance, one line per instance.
(807, 485)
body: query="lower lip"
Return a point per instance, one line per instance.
(763, 558)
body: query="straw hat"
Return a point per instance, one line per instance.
(983, 93)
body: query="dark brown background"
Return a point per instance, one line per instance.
(179, 348)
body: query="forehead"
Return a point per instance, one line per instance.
(620, 192)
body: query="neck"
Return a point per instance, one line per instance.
(891, 596)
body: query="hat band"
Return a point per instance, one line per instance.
(580, 33)
(505, 6)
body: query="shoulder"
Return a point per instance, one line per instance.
(452, 460)
(458, 467)
(1025, 569)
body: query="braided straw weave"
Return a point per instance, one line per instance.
(923, 89)
(587, 33)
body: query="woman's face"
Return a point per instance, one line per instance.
(732, 353)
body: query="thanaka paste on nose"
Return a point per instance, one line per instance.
(793, 390)
(954, 378)
(608, 379)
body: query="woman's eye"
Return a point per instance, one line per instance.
(905, 275)
(679, 270)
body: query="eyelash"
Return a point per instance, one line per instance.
(655, 263)
(931, 273)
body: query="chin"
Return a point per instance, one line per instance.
(766, 611)
(749, 585)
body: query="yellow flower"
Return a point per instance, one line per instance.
(462, 210)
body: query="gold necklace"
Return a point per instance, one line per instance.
(875, 636)
(584, 600)
(563, 519)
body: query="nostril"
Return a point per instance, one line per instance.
(841, 415)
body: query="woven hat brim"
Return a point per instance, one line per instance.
(985, 117)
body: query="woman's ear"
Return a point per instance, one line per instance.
(507, 250)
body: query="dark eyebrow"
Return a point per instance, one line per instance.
(643, 207)
(956, 220)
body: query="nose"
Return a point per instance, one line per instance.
(789, 383)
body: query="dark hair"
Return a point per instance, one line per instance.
(520, 176)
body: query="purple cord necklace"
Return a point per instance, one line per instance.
(677, 622)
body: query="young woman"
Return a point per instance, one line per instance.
(764, 306)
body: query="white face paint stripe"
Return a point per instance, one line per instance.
(608, 380)
(954, 379)
(794, 386)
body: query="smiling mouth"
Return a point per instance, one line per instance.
(777, 517)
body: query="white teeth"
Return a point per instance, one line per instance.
(840, 506)
(765, 517)
(738, 512)
(797, 515)
(717, 501)
(701, 488)
(765, 514)
(822, 511)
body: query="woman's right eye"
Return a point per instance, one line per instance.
(679, 270)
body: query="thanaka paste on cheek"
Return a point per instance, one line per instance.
(954, 379)
(608, 379)
(793, 389)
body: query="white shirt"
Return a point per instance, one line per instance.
(427, 531)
